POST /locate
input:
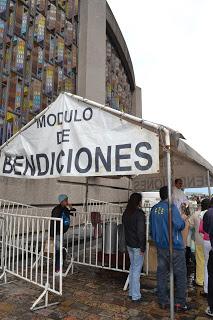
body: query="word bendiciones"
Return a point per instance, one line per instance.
(117, 158)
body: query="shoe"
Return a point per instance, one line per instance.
(137, 301)
(204, 294)
(209, 312)
(180, 308)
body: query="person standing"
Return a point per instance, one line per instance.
(160, 235)
(180, 200)
(195, 221)
(178, 196)
(63, 210)
(135, 235)
(206, 246)
(208, 228)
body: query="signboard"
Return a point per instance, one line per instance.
(73, 138)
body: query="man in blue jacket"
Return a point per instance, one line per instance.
(160, 235)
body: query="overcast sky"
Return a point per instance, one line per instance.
(171, 46)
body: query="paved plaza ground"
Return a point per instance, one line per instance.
(91, 294)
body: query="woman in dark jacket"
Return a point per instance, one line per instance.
(135, 234)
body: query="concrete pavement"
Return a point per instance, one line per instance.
(91, 294)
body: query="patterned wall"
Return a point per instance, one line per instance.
(38, 57)
(118, 93)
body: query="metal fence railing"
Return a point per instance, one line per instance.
(12, 207)
(98, 241)
(92, 205)
(2, 238)
(24, 237)
(95, 241)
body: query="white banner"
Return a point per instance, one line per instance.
(77, 139)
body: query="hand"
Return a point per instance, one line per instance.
(142, 253)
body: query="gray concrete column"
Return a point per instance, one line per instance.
(137, 102)
(92, 50)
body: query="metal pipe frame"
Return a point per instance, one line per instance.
(209, 184)
(170, 226)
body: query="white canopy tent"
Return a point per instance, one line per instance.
(186, 164)
(103, 142)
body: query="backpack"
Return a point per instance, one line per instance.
(66, 221)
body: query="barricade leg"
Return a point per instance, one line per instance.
(126, 284)
(3, 277)
(45, 295)
(70, 266)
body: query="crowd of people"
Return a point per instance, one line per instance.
(186, 226)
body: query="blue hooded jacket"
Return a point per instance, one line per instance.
(159, 226)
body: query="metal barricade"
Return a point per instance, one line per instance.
(24, 237)
(147, 211)
(93, 205)
(94, 239)
(7, 206)
(2, 243)
(96, 244)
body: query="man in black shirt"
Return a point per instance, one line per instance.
(63, 212)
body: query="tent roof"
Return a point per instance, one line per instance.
(178, 146)
(185, 150)
(195, 165)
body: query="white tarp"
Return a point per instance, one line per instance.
(73, 138)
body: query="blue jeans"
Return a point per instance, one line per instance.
(180, 276)
(136, 261)
(210, 283)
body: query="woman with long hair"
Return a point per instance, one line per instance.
(135, 235)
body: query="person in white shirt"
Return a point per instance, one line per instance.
(178, 196)
(180, 200)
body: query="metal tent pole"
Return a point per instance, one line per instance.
(209, 184)
(86, 194)
(169, 181)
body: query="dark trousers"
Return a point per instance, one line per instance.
(210, 281)
(57, 253)
(180, 276)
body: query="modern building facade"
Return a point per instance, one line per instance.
(38, 57)
(47, 47)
